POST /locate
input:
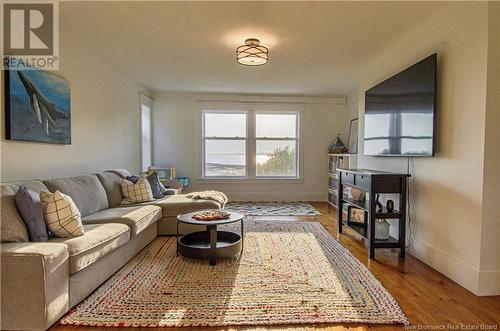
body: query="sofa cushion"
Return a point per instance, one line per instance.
(137, 218)
(86, 191)
(99, 240)
(173, 205)
(13, 228)
(35, 185)
(111, 183)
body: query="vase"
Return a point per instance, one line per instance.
(381, 229)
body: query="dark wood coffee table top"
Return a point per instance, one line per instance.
(188, 218)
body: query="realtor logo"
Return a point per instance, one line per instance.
(30, 34)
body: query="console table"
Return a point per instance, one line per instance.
(374, 182)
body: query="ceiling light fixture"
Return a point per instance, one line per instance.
(252, 53)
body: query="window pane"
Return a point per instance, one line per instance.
(225, 125)
(276, 125)
(225, 157)
(276, 158)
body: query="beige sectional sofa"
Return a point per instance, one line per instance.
(41, 281)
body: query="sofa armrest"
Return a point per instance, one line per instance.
(34, 285)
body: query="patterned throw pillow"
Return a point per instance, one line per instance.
(135, 193)
(61, 215)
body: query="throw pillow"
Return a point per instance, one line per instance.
(156, 186)
(132, 178)
(163, 188)
(135, 193)
(62, 216)
(29, 207)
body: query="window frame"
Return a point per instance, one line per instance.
(251, 110)
(296, 139)
(148, 102)
(204, 138)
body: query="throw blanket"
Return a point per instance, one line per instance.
(210, 195)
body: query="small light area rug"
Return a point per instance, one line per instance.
(289, 273)
(265, 208)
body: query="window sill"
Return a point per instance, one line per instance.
(239, 180)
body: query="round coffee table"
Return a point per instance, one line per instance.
(210, 244)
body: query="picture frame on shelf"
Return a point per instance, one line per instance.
(356, 215)
(352, 145)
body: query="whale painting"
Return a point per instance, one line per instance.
(37, 107)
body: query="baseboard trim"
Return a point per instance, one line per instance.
(479, 283)
(489, 283)
(454, 269)
(278, 196)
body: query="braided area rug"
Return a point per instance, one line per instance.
(272, 208)
(289, 273)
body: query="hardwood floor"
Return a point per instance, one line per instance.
(429, 299)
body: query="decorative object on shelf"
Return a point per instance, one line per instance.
(379, 205)
(37, 107)
(390, 206)
(252, 53)
(356, 215)
(356, 194)
(183, 180)
(337, 147)
(353, 137)
(381, 229)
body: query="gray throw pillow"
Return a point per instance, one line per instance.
(134, 179)
(29, 207)
(155, 184)
(163, 188)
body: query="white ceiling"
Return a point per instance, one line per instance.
(315, 47)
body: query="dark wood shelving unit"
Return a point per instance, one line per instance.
(336, 161)
(363, 231)
(373, 182)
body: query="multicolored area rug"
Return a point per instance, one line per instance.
(264, 208)
(289, 273)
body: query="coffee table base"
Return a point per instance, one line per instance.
(210, 244)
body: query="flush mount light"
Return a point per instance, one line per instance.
(252, 53)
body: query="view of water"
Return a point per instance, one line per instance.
(232, 159)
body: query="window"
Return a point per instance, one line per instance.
(276, 137)
(250, 144)
(224, 144)
(146, 146)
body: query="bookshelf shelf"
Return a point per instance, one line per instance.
(335, 162)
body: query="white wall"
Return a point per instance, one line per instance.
(176, 132)
(447, 190)
(104, 121)
(490, 227)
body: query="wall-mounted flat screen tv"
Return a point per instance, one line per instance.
(400, 113)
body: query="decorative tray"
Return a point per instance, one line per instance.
(211, 215)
